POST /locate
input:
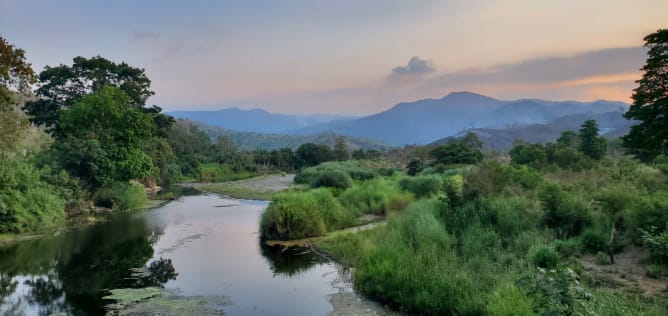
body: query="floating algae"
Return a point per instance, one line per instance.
(158, 301)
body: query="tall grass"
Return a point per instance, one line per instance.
(295, 215)
(377, 196)
(356, 170)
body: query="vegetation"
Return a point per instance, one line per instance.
(648, 139)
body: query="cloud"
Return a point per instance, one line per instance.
(144, 36)
(416, 65)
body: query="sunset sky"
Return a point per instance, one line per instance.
(347, 57)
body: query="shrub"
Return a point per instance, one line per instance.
(121, 196)
(453, 188)
(509, 300)
(571, 247)
(657, 243)
(294, 215)
(529, 154)
(332, 179)
(357, 170)
(567, 215)
(594, 241)
(487, 178)
(422, 186)
(544, 256)
(378, 196)
(26, 203)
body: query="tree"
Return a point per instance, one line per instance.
(63, 85)
(414, 166)
(310, 154)
(471, 140)
(226, 150)
(102, 138)
(649, 138)
(529, 154)
(16, 76)
(568, 139)
(465, 150)
(592, 145)
(341, 149)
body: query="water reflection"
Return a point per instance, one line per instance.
(291, 261)
(38, 275)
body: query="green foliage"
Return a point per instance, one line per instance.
(647, 139)
(453, 188)
(121, 196)
(102, 139)
(377, 196)
(592, 145)
(594, 241)
(657, 242)
(310, 154)
(341, 149)
(456, 153)
(543, 256)
(571, 247)
(294, 215)
(332, 179)
(63, 86)
(509, 300)
(556, 292)
(414, 166)
(529, 154)
(26, 202)
(215, 172)
(565, 214)
(422, 186)
(357, 170)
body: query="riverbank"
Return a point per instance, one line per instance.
(256, 188)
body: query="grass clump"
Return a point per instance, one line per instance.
(121, 196)
(332, 179)
(356, 170)
(544, 256)
(295, 215)
(422, 186)
(378, 196)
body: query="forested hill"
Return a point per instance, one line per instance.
(612, 124)
(426, 121)
(256, 120)
(272, 141)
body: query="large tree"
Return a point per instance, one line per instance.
(16, 76)
(102, 138)
(591, 144)
(64, 85)
(649, 138)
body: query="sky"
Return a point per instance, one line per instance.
(347, 57)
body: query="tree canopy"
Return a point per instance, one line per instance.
(591, 144)
(649, 138)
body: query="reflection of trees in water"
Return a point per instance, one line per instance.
(82, 264)
(290, 261)
(157, 273)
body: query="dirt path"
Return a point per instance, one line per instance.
(627, 273)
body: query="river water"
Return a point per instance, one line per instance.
(205, 245)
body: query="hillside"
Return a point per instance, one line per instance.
(252, 141)
(256, 120)
(425, 121)
(612, 125)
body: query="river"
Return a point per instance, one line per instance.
(202, 246)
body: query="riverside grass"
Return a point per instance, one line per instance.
(467, 258)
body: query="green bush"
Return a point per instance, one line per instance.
(571, 247)
(657, 243)
(453, 188)
(544, 256)
(357, 170)
(332, 179)
(378, 196)
(26, 202)
(509, 300)
(295, 215)
(422, 186)
(593, 241)
(565, 214)
(121, 196)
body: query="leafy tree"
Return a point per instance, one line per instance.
(341, 149)
(649, 138)
(372, 154)
(16, 75)
(529, 154)
(464, 150)
(592, 145)
(226, 150)
(414, 166)
(310, 154)
(359, 154)
(63, 85)
(568, 139)
(102, 138)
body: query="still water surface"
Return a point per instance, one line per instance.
(214, 249)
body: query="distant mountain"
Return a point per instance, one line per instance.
(612, 125)
(256, 120)
(425, 121)
(252, 141)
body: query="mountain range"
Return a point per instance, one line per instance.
(428, 121)
(256, 120)
(425, 121)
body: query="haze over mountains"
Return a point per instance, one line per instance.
(256, 120)
(430, 120)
